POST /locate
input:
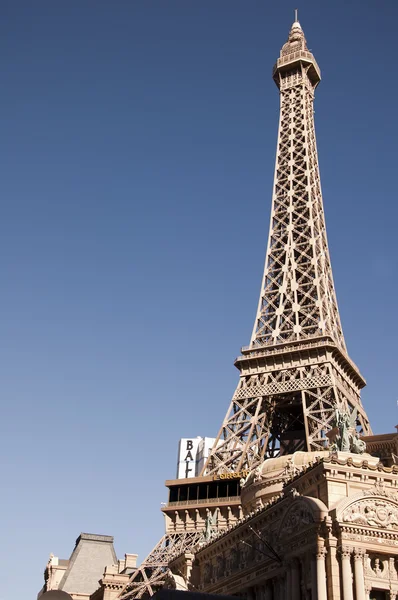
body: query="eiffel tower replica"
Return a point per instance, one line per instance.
(296, 371)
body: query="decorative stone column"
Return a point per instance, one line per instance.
(321, 574)
(333, 569)
(346, 572)
(280, 586)
(250, 594)
(295, 580)
(288, 581)
(360, 593)
(268, 591)
(276, 590)
(313, 578)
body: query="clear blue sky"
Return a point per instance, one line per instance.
(137, 151)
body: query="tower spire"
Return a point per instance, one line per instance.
(297, 299)
(296, 15)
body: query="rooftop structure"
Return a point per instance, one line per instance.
(93, 560)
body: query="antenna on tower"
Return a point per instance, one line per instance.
(295, 15)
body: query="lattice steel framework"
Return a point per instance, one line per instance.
(296, 370)
(153, 571)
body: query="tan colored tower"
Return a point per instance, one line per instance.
(296, 372)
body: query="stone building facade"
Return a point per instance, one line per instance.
(92, 572)
(330, 534)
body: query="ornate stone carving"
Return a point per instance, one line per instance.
(380, 490)
(321, 553)
(290, 469)
(356, 537)
(359, 554)
(393, 566)
(380, 540)
(300, 516)
(220, 566)
(378, 567)
(208, 572)
(293, 493)
(345, 551)
(372, 513)
(235, 558)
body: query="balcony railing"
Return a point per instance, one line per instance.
(203, 501)
(297, 55)
(267, 350)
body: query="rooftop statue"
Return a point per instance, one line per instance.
(343, 436)
(210, 527)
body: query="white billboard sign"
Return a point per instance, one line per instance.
(187, 457)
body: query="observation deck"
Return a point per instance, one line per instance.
(294, 59)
